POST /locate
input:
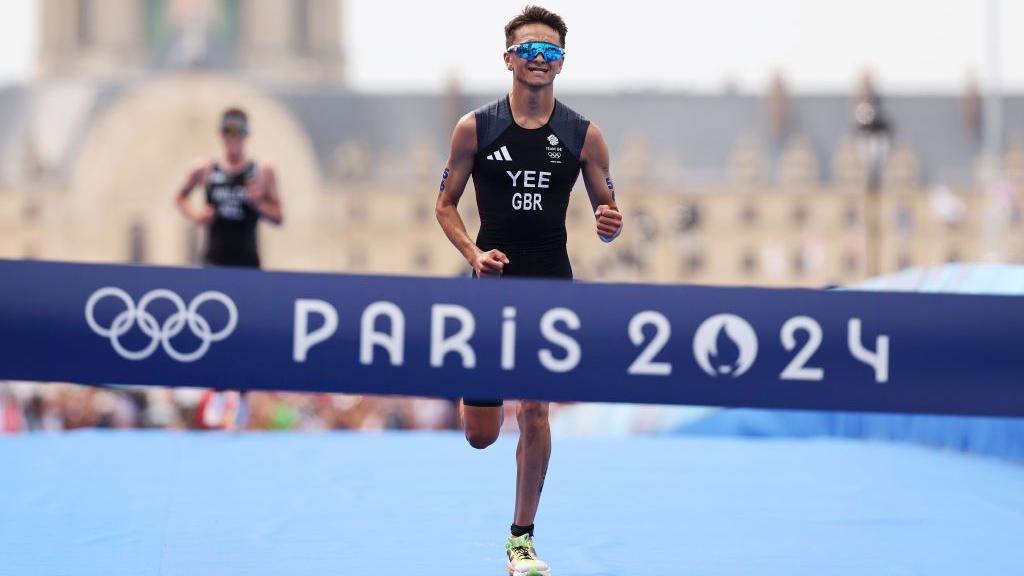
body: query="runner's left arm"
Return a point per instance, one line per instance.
(597, 178)
(263, 195)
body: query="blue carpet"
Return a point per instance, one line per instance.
(163, 503)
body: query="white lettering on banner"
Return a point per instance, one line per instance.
(796, 369)
(571, 346)
(662, 330)
(508, 338)
(734, 330)
(458, 342)
(393, 342)
(302, 339)
(723, 344)
(879, 359)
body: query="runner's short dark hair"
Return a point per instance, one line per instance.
(535, 15)
(235, 112)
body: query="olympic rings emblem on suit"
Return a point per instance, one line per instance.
(161, 335)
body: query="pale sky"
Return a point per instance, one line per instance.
(819, 45)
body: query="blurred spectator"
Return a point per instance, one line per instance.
(946, 206)
(54, 407)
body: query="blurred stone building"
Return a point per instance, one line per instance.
(765, 189)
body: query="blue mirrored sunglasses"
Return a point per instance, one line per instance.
(234, 126)
(529, 50)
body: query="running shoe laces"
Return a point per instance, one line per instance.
(520, 548)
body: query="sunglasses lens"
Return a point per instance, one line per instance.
(234, 127)
(526, 52)
(551, 54)
(530, 50)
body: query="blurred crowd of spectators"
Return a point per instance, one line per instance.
(53, 407)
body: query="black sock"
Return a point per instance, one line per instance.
(518, 530)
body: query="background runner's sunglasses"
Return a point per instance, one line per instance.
(529, 51)
(234, 127)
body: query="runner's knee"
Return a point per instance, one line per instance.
(532, 415)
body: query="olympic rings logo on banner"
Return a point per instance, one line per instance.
(161, 334)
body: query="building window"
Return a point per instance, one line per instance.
(357, 210)
(646, 227)
(85, 28)
(230, 21)
(852, 216)
(30, 210)
(800, 215)
(136, 244)
(748, 214)
(851, 263)
(300, 27)
(421, 261)
(749, 263)
(694, 262)
(799, 262)
(687, 218)
(155, 25)
(357, 259)
(422, 213)
(904, 219)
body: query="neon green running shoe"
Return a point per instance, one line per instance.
(522, 557)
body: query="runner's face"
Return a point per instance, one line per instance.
(234, 145)
(536, 73)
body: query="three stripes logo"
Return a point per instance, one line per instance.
(500, 154)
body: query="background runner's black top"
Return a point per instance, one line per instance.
(523, 178)
(232, 234)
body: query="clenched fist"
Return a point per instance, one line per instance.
(489, 263)
(609, 222)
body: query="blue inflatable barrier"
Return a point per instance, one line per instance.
(999, 437)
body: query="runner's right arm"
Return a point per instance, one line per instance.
(196, 176)
(453, 184)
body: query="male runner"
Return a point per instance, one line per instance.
(524, 152)
(238, 194)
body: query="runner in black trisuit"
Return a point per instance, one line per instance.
(239, 193)
(524, 153)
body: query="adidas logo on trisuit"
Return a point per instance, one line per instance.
(500, 154)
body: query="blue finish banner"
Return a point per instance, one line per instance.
(534, 339)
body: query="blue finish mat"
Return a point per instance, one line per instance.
(165, 503)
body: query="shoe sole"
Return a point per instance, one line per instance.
(532, 572)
